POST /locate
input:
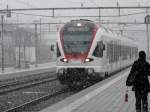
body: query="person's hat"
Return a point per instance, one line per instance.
(142, 54)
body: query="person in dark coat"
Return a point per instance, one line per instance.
(141, 83)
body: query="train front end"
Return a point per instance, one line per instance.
(74, 42)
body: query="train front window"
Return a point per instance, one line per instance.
(77, 42)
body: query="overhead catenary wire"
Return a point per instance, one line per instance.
(29, 14)
(59, 16)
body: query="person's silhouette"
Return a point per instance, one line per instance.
(141, 82)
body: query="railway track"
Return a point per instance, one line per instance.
(16, 85)
(13, 87)
(32, 102)
(14, 95)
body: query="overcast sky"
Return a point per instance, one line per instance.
(68, 3)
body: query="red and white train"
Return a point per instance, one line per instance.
(86, 52)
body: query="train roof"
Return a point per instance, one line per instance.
(85, 21)
(114, 36)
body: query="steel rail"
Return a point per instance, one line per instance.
(43, 98)
(11, 88)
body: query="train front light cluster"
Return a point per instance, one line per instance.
(88, 59)
(64, 60)
(79, 24)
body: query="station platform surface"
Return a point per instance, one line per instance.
(41, 68)
(106, 96)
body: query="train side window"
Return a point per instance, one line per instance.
(58, 51)
(98, 52)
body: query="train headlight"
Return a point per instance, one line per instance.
(64, 60)
(79, 24)
(87, 60)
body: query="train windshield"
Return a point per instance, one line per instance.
(77, 43)
(77, 39)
